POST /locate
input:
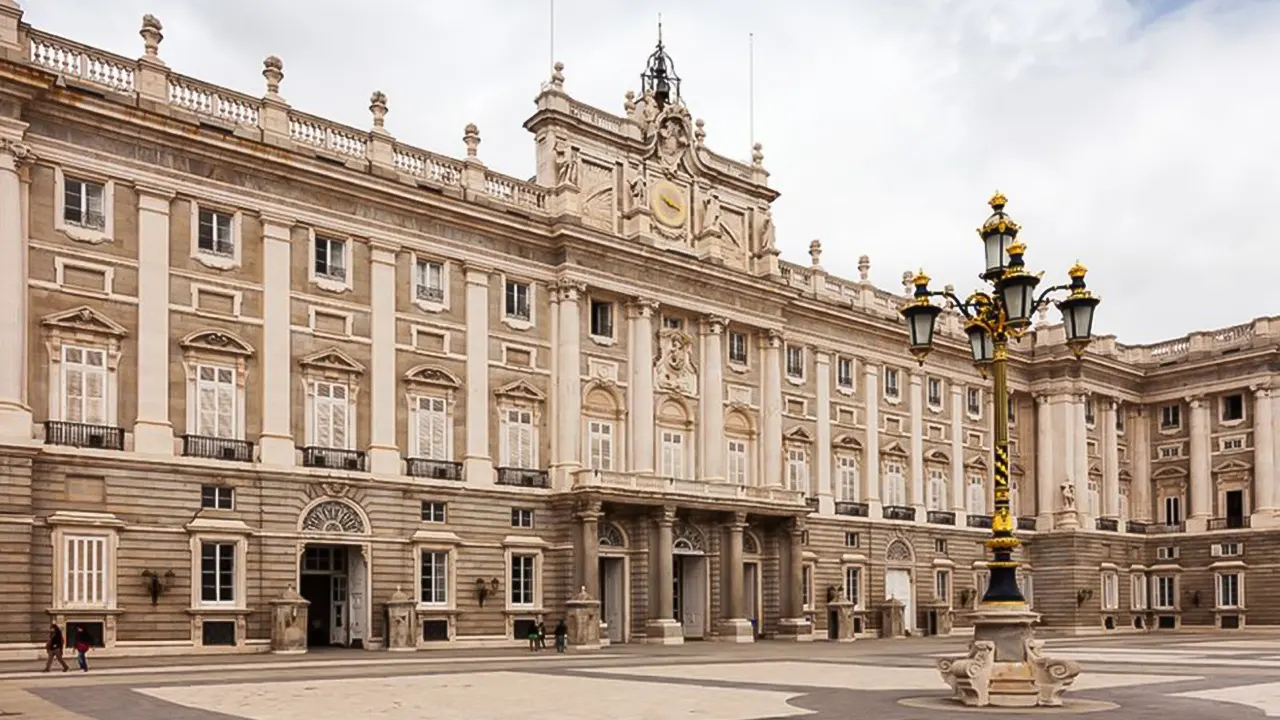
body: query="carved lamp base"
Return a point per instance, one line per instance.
(1005, 666)
(1066, 520)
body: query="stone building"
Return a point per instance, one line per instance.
(246, 349)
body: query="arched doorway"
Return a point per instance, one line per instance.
(752, 588)
(899, 581)
(334, 573)
(615, 598)
(690, 580)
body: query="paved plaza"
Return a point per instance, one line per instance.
(1170, 676)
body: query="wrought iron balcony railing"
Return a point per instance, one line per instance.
(1235, 522)
(203, 446)
(82, 435)
(851, 509)
(1108, 524)
(434, 469)
(899, 512)
(1026, 523)
(940, 517)
(333, 458)
(979, 521)
(523, 477)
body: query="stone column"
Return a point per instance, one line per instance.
(1264, 457)
(477, 463)
(15, 413)
(568, 395)
(794, 625)
(958, 505)
(587, 571)
(1201, 469)
(1140, 451)
(734, 627)
(711, 404)
(871, 447)
(771, 472)
(662, 628)
(1046, 487)
(384, 453)
(276, 445)
(1079, 461)
(640, 423)
(917, 497)
(1110, 460)
(152, 432)
(826, 497)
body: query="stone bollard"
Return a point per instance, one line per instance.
(402, 632)
(289, 623)
(844, 619)
(891, 621)
(584, 621)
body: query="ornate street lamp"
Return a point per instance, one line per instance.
(993, 319)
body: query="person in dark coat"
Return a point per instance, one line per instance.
(81, 646)
(542, 635)
(562, 635)
(53, 648)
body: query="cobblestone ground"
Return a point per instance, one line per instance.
(1168, 677)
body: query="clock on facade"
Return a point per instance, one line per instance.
(668, 204)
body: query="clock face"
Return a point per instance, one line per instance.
(668, 204)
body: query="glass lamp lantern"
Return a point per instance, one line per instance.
(1017, 290)
(981, 344)
(1077, 311)
(922, 317)
(998, 233)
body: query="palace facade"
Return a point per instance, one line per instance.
(244, 349)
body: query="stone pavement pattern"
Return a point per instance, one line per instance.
(1135, 677)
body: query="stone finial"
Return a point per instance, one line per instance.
(273, 71)
(864, 267)
(378, 106)
(907, 284)
(399, 595)
(151, 36)
(629, 103)
(757, 155)
(1042, 315)
(815, 253)
(699, 132)
(557, 76)
(471, 136)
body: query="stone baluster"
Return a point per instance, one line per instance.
(1201, 509)
(1110, 460)
(384, 453)
(871, 447)
(640, 390)
(915, 444)
(772, 406)
(15, 413)
(826, 499)
(477, 462)
(275, 444)
(711, 406)
(1264, 456)
(153, 432)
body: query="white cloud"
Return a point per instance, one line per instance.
(1142, 144)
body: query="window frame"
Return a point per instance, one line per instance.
(315, 401)
(1222, 409)
(741, 458)
(210, 257)
(848, 464)
(448, 554)
(797, 469)
(795, 372)
(1157, 581)
(1109, 590)
(85, 369)
(327, 280)
(518, 515)
(854, 592)
(533, 558)
(598, 441)
(934, 403)
(214, 496)
(1218, 589)
(76, 231)
(1139, 591)
(974, 411)
(505, 423)
(738, 353)
(511, 291)
(665, 434)
(1172, 411)
(418, 415)
(942, 579)
(427, 303)
(233, 388)
(219, 532)
(594, 306)
(428, 512)
(895, 386)
(845, 372)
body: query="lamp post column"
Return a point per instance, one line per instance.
(1003, 587)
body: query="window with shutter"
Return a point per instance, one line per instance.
(937, 490)
(431, 424)
(672, 454)
(847, 472)
(84, 571)
(600, 441)
(797, 471)
(518, 439)
(895, 485)
(331, 416)
(216, 402)
(737, 464)
(977, 498)
(84, 385)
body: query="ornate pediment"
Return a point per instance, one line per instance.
(1016, 469)
(1095, 469)
(893, 447)
(977, 462)
(1125, 474)
(332, 359)
(432, 375)
(1169, 472)
(85, 319)
(520, 390)
(847, 441)
(937, 456)
(797, 434)
(217, 341)
(1233, 465)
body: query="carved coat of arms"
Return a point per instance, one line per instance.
(675, 369)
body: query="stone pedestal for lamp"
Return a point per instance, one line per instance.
(1005, 666)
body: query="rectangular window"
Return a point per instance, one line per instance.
(517, 301)
(795, 362)
(1231, 443)
(1110, 591)
(738, 348)
(852, 586)
(1089, 416)
(942, 585)
(217, 497)
(934, 392)
(434, 574)
(1226, 549)
(1120, 420)
(891, 389)
(1138, 591)
(844, 372)
(1169, 452)
(937, 490)
(1172, 510)
(602, 319)
(737, 462)
(84, 204)
(433, 511)
(851, 539)
(806, 585)
(522, 568)
(428, 281)
(1164, 593)
(672, 323)
(672, 460)
(517, 446)
(522, 518)
(215, 402)
(217, 573)
(895, 486)
(847, 477)
(600, 442)
(331, 416)
(1170, 417)
(84, 385)
(331, 258)
(1229, 590)
(1013, 415)
(976, 499)
(84, 571)
(797, 470)
(214, 234)
(1232, 409)
(940, 546)
(973, 401)
(431, 428)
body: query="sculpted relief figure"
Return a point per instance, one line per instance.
(1068, 490)
(711, 213)
(568, 159)
(767, 240)
(671, 140)
(639, 191)
(676, 370)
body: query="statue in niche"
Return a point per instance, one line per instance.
(639, 191)
(768, 241)
(1068, 490)
(568, 160)
(671, 140)
(676, 369)
(650, 109)
(711, 213)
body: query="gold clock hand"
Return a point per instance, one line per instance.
(669, 203)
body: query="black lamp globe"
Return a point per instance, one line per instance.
(1077, 311)
(981, 344)
(922, 317)
(1017, 290)
(998, 233)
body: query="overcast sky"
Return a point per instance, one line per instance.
(1141, 137)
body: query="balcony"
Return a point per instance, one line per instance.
(1236, 522)
(426, 293)
(979, 521)
(812, 503)
(215, 448)
(1027, 523)
(899, 512)
(333, 458)
(1135, 527)
(98, 437)
(851, 509)
(666, 486)
(523, 477)
(434, 469)
(1107, 524)
(940, 517)
(1166, 528)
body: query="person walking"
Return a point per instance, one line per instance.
(542, 635)
(53, 648)
(81, 646)
(562, 634)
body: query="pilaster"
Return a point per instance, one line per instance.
(1046, 487)
(153, 432)
(871, 446)
(587, 568)
(1264, 456)
(1140, 450)
(568, 390)
(640, 390)
(1201, 469)
(1079, 449)
(711, 403)
(826, 498)
(384, 453)
(662, 628)
(477, 463)
(276, 444)
(1110, 460)
(15, 413)
(794, 625)
(772, 405)
(916, 445)
(957, 454)
(733, 626)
